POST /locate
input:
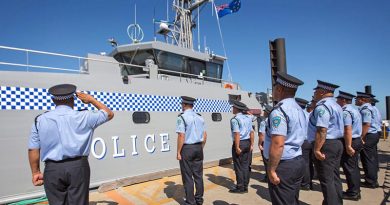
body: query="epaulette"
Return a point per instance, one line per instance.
(83, 109)
(321, 103)
(199, 114)
(181, 116)
(36, 120)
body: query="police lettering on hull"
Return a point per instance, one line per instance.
(122, 148)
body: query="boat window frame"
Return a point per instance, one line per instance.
(138, 120)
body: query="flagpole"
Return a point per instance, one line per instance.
(230, 78)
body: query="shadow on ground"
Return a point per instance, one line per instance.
(220, 180)
(174, 191)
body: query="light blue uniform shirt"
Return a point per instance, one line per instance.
(65, 133)
(242, 124)
(378, 118)
(193, 126)
(262, 125)
(293, 129)
(352, 118)
(369, 116)
(307, 115)
(327, 114)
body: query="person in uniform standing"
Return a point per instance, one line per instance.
(191, 139)
(253, 119)
(62, 139)
(307, 152)
(326, 130)
(370, 139)
(241, 127)
(352, 145)
(286, 132)
(261, 134)
(378, 116)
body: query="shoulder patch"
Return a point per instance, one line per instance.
(276, 121)
(321, 112)
(179, 121)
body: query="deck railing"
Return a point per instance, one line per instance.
(83, 68)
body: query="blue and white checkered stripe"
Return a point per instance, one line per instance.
(20, 98)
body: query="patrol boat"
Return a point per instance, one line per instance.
(142, 83)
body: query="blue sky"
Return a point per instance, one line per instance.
(345, 42)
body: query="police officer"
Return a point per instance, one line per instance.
(370, 139)
(242, 131)
(261, 134)
(191, 139)
(378, 115)
(352, 145)
(61, 138)
(253, 119)
(307, 151)
(326, 129)
(286, 132)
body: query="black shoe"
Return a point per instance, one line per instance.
(371, 186)
(306, 188)
(355, 197)
(237, 191)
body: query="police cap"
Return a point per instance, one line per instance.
(287, 80)
(239, 105)
(345, 95)
(363, 95)
(326, 86)
(62, 91)
(187, 100)
(301, 102)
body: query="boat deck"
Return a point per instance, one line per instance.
(218, 180)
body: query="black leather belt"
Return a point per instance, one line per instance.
(66, 160)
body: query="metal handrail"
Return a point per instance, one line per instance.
(57, 54)
(27, 65)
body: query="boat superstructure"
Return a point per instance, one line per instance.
(142, 83)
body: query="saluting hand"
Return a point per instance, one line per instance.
(37, 179)
(273, 178)
(319, 155)
(85, 98)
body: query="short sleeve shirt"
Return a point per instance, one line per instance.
(65, 133)
(192, 125)
(287, 119)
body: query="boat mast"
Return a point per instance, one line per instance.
(183, 24)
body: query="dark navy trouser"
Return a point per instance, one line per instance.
(369, 157)
(307, 154)
(191, 167)
(242, 163)
(290, 173)
(328, 172)
(67, 181)
(351, 168)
